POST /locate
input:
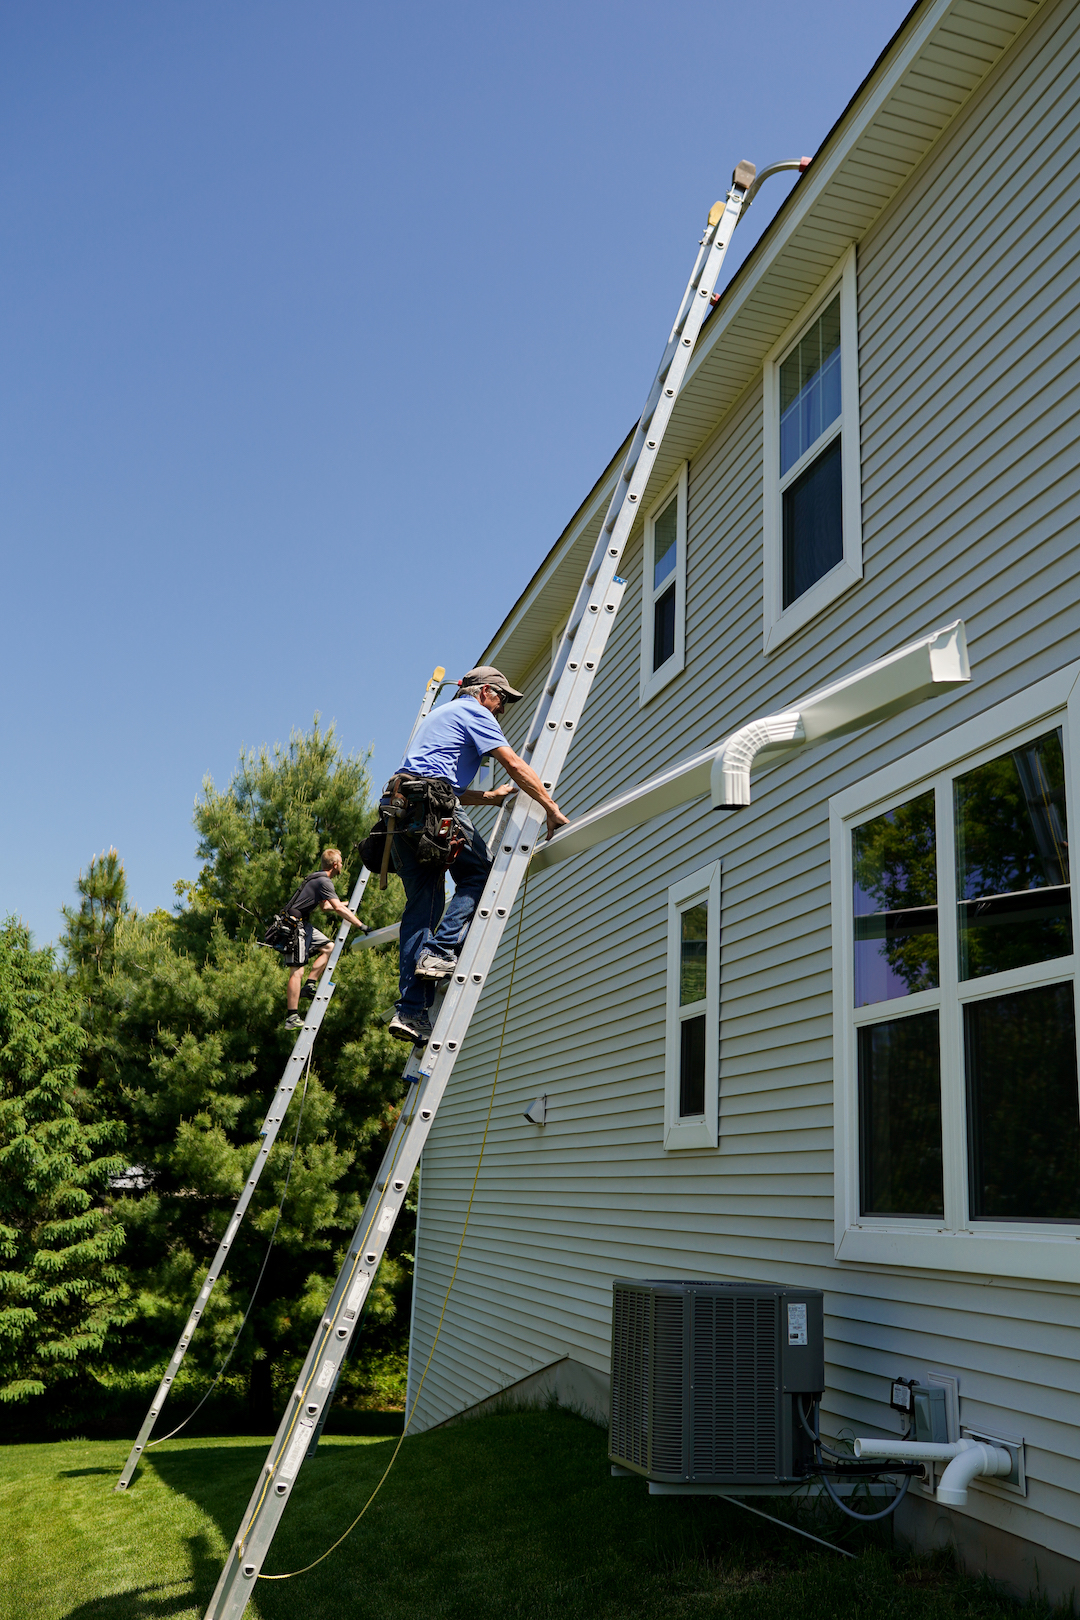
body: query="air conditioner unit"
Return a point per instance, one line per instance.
(706, 1377)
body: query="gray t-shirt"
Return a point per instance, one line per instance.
(314, 889)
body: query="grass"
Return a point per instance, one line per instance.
(509, 1517)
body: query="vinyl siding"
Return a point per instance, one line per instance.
(969, 342)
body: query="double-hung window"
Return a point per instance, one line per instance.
(812, 502)
(663, 594)
(956, 999)
(692, 1066)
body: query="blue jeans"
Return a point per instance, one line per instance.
(425, 891)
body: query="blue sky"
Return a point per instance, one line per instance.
(316, 324)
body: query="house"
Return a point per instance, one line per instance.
(830, 1037)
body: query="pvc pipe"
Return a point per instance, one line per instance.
(911, 1450)
(967, 1460)
(978, 1459)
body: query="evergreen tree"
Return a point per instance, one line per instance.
(61, 1292)
(187, 1046)
(91, 929)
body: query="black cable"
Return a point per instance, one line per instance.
(258, 1281)
(860, 1518)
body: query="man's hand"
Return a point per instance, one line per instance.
(556, 819)
(497, 795)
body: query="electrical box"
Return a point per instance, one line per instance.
(926, 1407)
(706, 1380)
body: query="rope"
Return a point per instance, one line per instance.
(262, 1272)
(457, 1261)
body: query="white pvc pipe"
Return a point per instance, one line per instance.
(978, 1459)
(967, 1460)
(911, 1450)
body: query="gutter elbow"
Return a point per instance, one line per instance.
(729, 779)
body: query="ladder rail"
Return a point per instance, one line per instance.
(271, 1127)
(516, 832)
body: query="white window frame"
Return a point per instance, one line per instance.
(779, 622)
(701, 1131)
(654, 681)
(1048, 1252)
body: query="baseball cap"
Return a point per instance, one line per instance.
(488, 675)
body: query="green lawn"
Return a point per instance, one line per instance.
(512, 1517)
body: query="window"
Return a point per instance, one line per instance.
(813, 525)
(663, 594)
(955, 999)
(693, 1011)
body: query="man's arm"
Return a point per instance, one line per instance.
(491, 796)
(527, 779)
(343, 911)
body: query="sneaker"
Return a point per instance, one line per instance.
(415, 1027)
(294, 1021)
(308, 989)
(430, 965)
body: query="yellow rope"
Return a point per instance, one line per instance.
(446, 1299)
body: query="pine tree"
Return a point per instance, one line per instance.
(186, 1048)
(61, 1292)
(91, 929)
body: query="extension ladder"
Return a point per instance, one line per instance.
(513, 839)
(294, 1070)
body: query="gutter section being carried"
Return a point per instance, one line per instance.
(924, 669)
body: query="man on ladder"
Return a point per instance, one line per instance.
(449, 746)
(316, 890)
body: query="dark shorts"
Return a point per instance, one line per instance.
(314, 942)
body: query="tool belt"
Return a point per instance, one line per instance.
(423, 808)
(287, 934)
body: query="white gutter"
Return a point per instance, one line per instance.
(928, 668)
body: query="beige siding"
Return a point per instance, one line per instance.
(969, 344)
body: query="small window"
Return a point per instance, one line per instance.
(693, 1012)
(664, 589)
(813, 545)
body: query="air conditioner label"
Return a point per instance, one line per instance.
(796, 1324)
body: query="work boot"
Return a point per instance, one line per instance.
(308, 989)
(294, 1021)
(430, 965)
(415, 1027)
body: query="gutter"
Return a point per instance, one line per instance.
(928, 668)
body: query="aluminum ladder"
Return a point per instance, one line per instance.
(513, 839)
(271, 1125)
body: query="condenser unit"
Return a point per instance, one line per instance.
(706, 1379)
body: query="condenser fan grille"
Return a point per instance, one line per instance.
(631, 1363)
(733, 1427)
(705, 1377)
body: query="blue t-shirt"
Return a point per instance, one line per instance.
(453, 740)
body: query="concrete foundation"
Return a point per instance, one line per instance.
(1021, 1566)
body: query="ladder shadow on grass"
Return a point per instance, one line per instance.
(160, 1600)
